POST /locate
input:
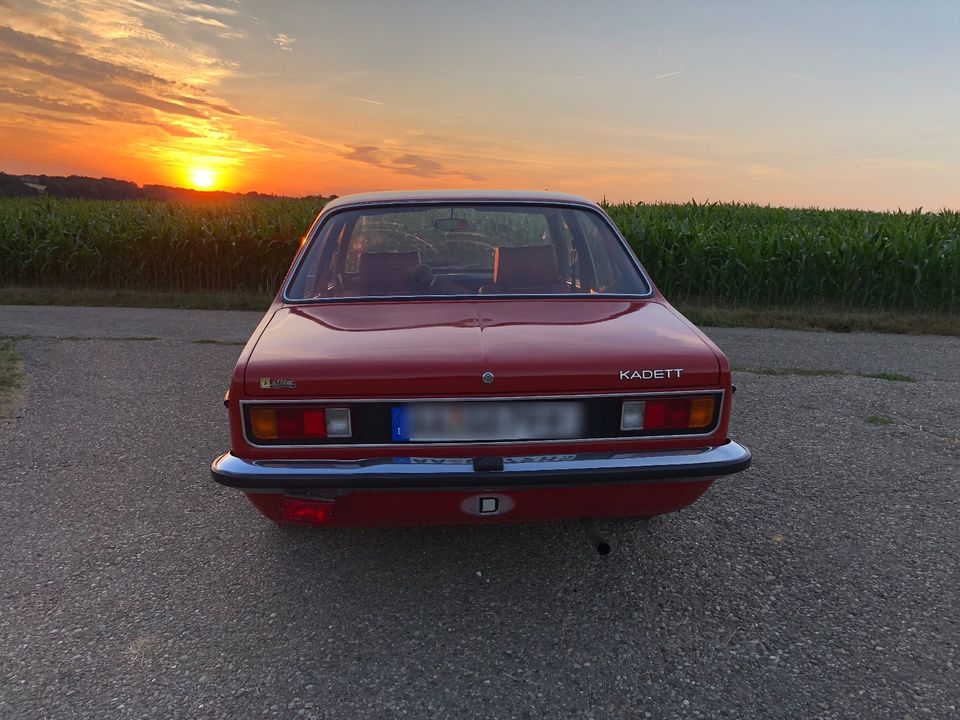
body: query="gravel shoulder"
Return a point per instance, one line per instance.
(821, 583)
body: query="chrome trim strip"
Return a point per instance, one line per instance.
(480, 398)
(445, 473)
(519, 443)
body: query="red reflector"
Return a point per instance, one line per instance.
(313, 512)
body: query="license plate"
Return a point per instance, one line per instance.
(487, 421)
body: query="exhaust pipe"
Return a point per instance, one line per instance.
(599, 542)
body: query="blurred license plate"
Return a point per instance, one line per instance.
(466, 421)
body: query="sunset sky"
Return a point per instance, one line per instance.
(835, 104)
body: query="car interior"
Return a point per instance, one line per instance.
(536, 253)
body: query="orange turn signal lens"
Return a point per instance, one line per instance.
(701, 413)
(263, 423)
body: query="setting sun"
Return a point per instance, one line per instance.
(203, 178)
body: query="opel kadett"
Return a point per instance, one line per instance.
(473, 357)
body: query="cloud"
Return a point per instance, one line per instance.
(81, 114)
(168, 39)
(219, 107)
(178, 131)
(364, 100)
(28, 58)
(406, 163)
(666, 75)
(50, 117)
(284, 42)
(13, 96)
(202, 7)
(418, 165)
(366, 154)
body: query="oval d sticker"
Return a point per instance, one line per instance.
(487, 505)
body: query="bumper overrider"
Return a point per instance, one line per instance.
(338, 477)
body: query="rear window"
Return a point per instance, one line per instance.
(465, 250)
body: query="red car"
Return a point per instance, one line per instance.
(465, 357)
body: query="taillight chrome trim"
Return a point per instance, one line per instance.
(344, 402)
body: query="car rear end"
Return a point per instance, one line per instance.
(478, 408)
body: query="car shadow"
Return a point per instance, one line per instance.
(378, 597)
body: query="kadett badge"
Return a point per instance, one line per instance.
(663, 374)
(268, 384)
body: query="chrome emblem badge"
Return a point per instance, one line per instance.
(487, 377)
(660, 374)
(270, 384)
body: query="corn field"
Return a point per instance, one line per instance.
(243, 245)
(761, 256)
(712, 253)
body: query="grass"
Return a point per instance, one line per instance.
(893, 377)
(103, 297)
(210, 341)
(824, 319)
(806, 372)
(11, 376)
(879, 420)
(115, 338)
(783, 372)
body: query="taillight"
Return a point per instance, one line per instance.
(669, 413)
(296, 422)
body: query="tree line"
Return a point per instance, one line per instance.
(88, 188)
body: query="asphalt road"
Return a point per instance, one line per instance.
(821, 583)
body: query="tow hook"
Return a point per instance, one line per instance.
(600, 543)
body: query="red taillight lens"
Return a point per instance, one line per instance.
(313, 512)
(660, 414)
(291, 424)
(315, 423)
(294, 422)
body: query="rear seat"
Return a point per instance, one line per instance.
(387, 273)
(528, 268)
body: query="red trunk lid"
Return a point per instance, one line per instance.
(442, 348)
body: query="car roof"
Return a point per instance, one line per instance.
(444, 196)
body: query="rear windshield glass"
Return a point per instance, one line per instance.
(465, 250)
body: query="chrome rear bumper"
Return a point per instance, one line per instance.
(433, 474)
